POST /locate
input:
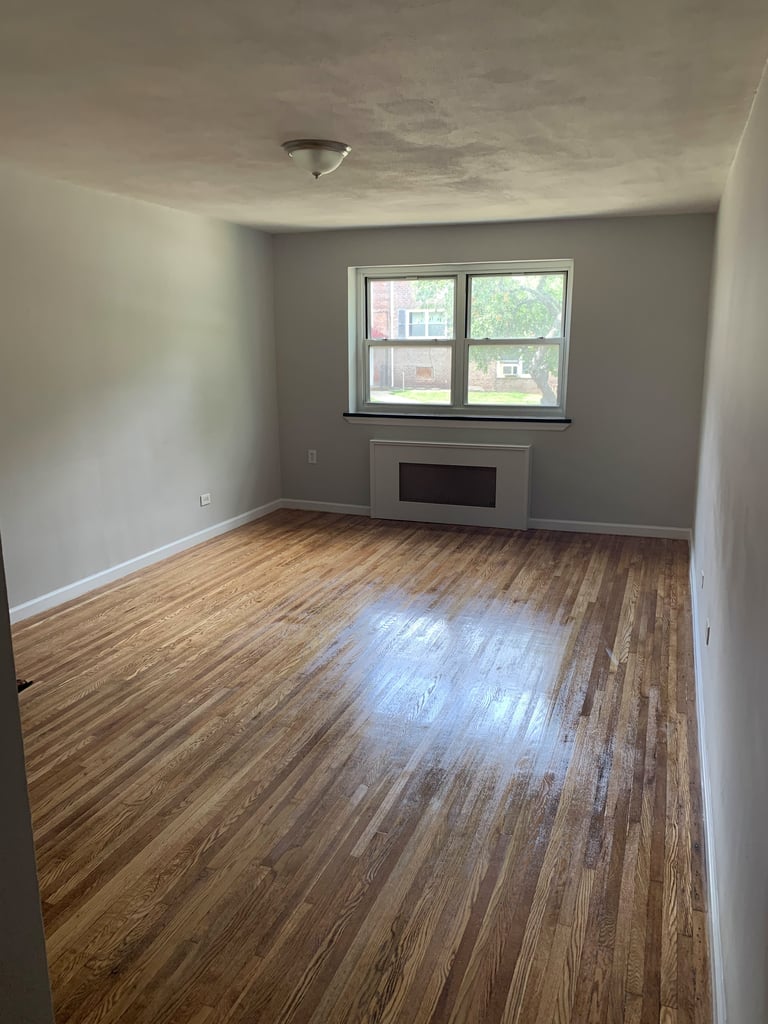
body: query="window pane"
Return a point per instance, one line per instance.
(514, 375)
(398, 306)
(410, 376)
(517, 305)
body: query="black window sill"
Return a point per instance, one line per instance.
(410, 419)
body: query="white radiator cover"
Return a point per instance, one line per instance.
(512, 464)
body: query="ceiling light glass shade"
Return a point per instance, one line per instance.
(318, 156)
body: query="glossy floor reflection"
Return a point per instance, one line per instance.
(330, 770)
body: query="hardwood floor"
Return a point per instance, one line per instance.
(329, 770)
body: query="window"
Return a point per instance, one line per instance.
(470, 339)
(425, 323)
(509, 369)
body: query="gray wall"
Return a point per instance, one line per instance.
(24, 992)
(136, 372)
(731, 548)
(636, 367)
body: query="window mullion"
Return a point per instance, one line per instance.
(460, 344)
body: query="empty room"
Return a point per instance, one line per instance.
(383, 491)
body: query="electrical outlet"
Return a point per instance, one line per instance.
(706, 634)
(311, 456)
(205, 499)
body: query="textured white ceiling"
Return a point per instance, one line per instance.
(455, 111)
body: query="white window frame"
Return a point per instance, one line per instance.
(459, 342)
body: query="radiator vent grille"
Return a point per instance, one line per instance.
(434, 484)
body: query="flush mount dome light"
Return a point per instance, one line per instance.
(318, 156)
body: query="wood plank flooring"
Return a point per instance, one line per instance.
(324, 770)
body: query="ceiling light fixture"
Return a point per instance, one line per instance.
(318, 156)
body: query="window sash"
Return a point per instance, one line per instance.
(540, 410)
(516, 273)
(409, 344)
(365, 312)
(460, 342)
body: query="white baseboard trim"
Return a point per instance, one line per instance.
(620, 529)
(79, 587)
(715, 933)
(99, 579)
(564, 525)
(326, 506)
